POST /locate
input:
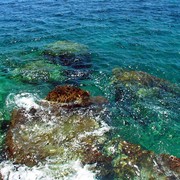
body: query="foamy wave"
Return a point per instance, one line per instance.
(81, 172)
(97, 132)
(71, 171)
(22, 100)
(13, 172)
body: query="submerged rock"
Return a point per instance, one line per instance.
(147, 109)
(130, 161)
(77, 74)
(137, 84)
(69, 54)
(65, 48)
(39, 71)
(139, 78)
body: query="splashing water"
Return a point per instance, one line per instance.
(70, 171)
(23, 100)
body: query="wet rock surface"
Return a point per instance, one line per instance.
(72, 96)
(171, 162)
(69, 95)
(31, 140)
(48, 130)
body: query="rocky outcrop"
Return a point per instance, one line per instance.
(50, 130)
(34, 136)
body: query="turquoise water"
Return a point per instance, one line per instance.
(136, 34)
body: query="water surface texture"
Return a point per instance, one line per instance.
(136, 35)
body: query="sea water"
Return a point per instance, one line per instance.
(141, 35)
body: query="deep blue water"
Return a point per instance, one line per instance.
(136, 34)
(140, 34)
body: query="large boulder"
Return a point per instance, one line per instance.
(34, 136)
(69, 96)
(50, 130)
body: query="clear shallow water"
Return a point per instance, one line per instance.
(139, 35)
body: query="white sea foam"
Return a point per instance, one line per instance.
(22, 100)
(12, 172)
(82, 172)
(97, 132)
(71, 171)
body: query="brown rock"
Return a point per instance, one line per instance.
(172, 162)
(1, 177)
(69, 96)
(35, 135)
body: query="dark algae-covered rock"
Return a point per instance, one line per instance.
(171, 162)
(74, 56)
